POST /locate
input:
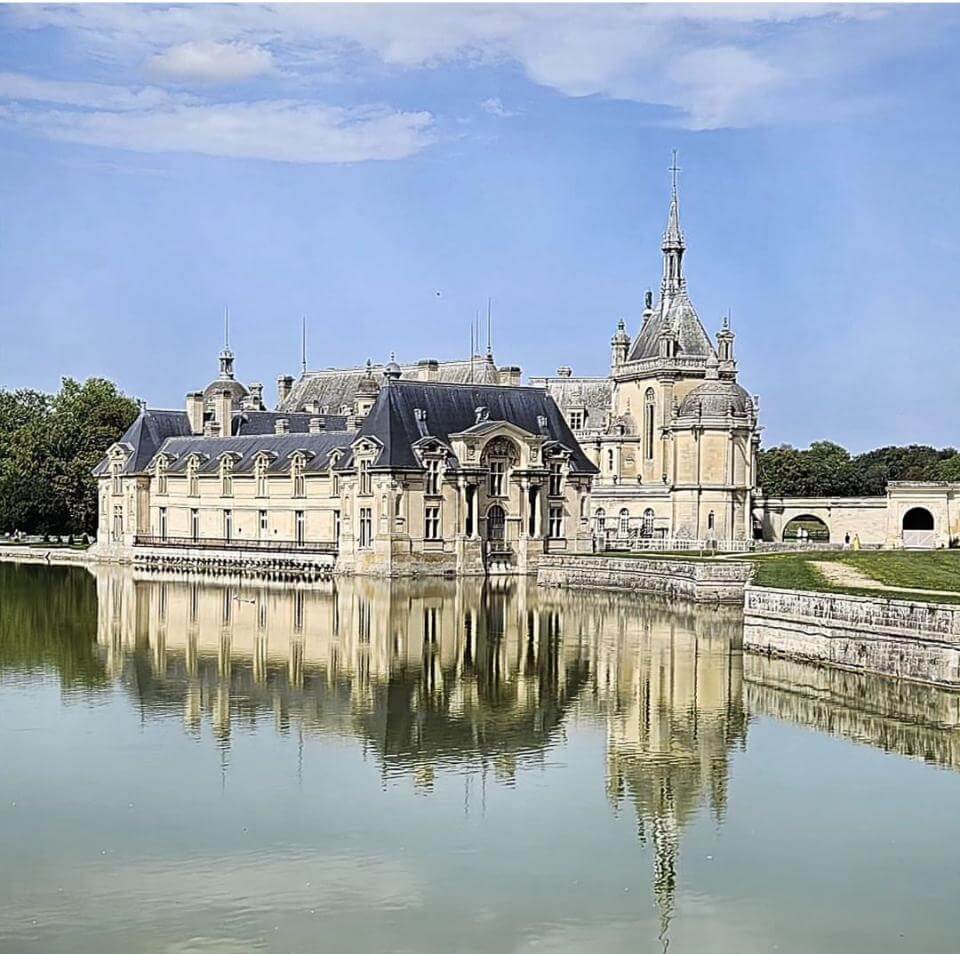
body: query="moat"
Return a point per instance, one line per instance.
(197, 767)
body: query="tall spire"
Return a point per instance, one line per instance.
(673, 243)
(226, 356)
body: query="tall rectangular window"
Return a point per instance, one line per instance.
(263, 524)
(161, 476)
(193, 482)
(366, 526)
(556, 479)
(498, 470)
(336, 525)
(227, 524)
(365, 481)
(299, 520)
(432, 481)
(296, 472)
(162, 523)
(260, 476)
(195, 524)
(226, 477)
(117, 478)
(431, 523)
(555, 523)
(649, 411)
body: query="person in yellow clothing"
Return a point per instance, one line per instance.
(856, 541)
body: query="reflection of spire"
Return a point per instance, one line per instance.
(666, 842)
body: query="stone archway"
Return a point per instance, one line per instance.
(814, 528)
(918, 529)
(496, 524)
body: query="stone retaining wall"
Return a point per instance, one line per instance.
(254, 563)
(909, 640)
(701, 581)
(45, 555)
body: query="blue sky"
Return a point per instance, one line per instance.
(349, 163)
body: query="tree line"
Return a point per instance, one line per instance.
(49, 444)
(826, 469)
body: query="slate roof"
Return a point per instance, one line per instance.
(146, 434)
(714, 398)
(248, 423)
(318, 447)
(337, 387)
(677, 312)
(593, 394)
(452, 409)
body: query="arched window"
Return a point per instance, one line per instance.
(624, 528)
(601, 518)
(496, 523)
(649, 416)
(648, 522)
(711, 521)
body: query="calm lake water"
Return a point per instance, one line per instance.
(452, 767)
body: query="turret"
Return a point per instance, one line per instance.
(619, 346)
(725, 343)
(367, 391)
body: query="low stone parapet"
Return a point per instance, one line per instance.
(910, 640)
(45, 555)
(255, 563)
(703, 581)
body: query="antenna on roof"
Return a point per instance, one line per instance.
(303, 344)
(226, 327)
(489, 329)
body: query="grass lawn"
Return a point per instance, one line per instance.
(924, 569)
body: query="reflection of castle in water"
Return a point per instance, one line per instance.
(461, 675)
(894, 715)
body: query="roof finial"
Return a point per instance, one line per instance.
(673, 236)
(489, 329)
(226, 327)
(674, 169)
(303, 344)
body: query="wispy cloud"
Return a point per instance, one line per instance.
(286, 131)
(495, 107)
(211, 62)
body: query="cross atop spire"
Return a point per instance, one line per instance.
(673, 236)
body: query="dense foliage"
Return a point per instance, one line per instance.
(828, 470)
(49, 444)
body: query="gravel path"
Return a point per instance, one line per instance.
(840, 574)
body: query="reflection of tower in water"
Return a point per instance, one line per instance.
(671, 688)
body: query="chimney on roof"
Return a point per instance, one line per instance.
(564, 372)
(223, 412)
(509, 375)
(317, 425)
(428, 370)
(284, 387)
(195, 411)
(281, 426)
(210, 429)
(256, 397)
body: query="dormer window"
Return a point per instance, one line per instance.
(193, 482)
(161, 475)
(432, 479)
(577, 419)
(116, 474)
(364, 479)
(555, 483)
(226, 476)
(297, 476)
(260, 475)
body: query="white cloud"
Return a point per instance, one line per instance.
(495, 107)
(211, 62)
(286, 131)
(17, 86)
(709, 65)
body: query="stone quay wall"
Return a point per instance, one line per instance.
(701, 581)
(45, 555)
(901, 638)
(252, 563)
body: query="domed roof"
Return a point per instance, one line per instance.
(714, 398)
(225, 381)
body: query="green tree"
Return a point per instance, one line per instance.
(49, 444)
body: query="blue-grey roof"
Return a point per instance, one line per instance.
(280, 447)
(452, 409)
(247, 423)
(146, 434)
